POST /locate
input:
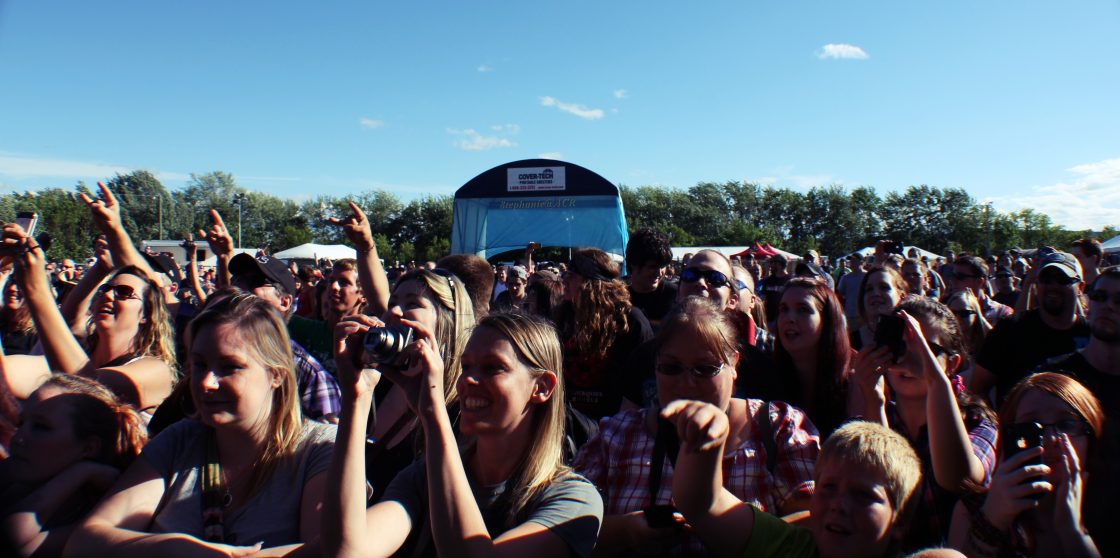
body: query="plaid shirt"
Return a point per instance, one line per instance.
(930, 526)
(319, 396)
(618, 461)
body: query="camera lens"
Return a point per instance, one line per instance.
(384, 344)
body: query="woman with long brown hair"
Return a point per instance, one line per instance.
(599, 328)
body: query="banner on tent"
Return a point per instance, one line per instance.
(535, 179)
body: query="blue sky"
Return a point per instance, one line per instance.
(1014, 101)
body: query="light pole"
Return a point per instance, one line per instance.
(240, 200)
(159, 213)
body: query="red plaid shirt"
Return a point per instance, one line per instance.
(618, 461)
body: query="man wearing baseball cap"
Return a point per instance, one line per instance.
(271, 280)
(1018, 344)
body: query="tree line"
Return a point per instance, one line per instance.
(831, 219)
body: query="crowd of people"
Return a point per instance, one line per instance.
(873, 405)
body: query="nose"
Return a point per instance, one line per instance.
(209, 381)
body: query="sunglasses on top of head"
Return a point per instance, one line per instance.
(713, 277)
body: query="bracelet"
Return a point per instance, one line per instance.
(983, 531)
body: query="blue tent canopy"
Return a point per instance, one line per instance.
(537, 200)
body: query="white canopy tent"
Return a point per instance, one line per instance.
(679, 252)
(906, 250)
(1111, 245)
(311, 251)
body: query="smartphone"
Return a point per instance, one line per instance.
(661, 516)
(1019, 437)
(888, 333)
(28, 220)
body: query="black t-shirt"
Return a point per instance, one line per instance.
(1007, 299)
(1016, 346)
(771, 289)
(656, 303)
(1103, 488)
(595, 385)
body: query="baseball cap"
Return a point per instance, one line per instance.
(274, 269)
(1063, 261)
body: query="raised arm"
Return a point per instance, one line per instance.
(106, 214)
(954, 464)
(192, 271)
(62, 350)
(721, 520)
(371, 274)
(221, 244)
(75, 309)
(348, 529)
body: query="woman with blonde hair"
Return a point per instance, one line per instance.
(438, 300)
(127, 343)
(246, 472)
(502, 491)
(599, 328)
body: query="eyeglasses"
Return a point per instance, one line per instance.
(965, 276)
(962, 314)
(713, 277)
(937, 349)
(120, 292)
(700, 370)
(1069, 427)
(1101, 295)
(740, 284)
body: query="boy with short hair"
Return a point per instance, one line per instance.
(866, 479)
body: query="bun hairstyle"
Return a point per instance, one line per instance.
(96, 412)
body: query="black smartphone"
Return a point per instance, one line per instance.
(1022, 436)
(888, 333)
(661, 516)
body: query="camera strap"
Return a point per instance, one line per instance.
(664, 442)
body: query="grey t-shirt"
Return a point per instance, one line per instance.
(272, 515)
(570, 507)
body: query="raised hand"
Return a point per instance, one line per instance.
(354, 378)
(700, 426)
(1008, 494)
(103, 254)
(867, 375)
(1067, 484)
(190, 247)
(221, 243)
(421, 372)
(106, 211)
(916, 344)
(356, 227)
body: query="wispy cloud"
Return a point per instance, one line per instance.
(16, 166)
(483, 68)
(572, 108)
(370, 123)
(511, 129)
(1090, 200)
(621, 94)
(470, 140)
(786, 176)
(841, 51)
(554, 155)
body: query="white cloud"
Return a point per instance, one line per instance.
(16, 166)
(620, 94)
(483, 68)
(785, 176)
(370, 124)
(572, 108)
(511, 129)
(554, 155)
(471, 140)
(1090, 200)
(838, 51)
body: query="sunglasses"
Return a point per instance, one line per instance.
(1069, 427)
(1101, 295)
(713, 277)
(937, 349)
(964, 276)
(120, 292)
(700, 370)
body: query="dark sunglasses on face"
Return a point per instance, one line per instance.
(700, 370)
(1069, 427)
(964, 276)
(1056, 279)
(713, 277)
(1101, 295)
(120, 292)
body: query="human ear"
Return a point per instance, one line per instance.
(735, 366)
(952, 362)
(544, 386)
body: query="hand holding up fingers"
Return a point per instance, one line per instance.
(1067, 484)
(106, 211)
(701, 426)
(221, 243)
(356, 228)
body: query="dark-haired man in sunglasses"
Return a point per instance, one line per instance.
(772, 287)
(971, 272)
(1016, 346)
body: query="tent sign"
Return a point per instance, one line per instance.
(535, 179)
